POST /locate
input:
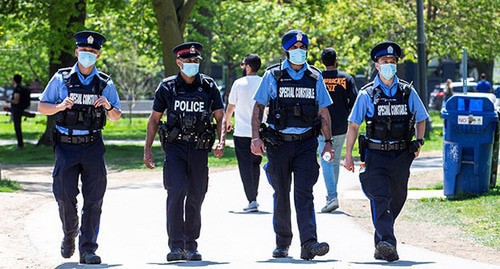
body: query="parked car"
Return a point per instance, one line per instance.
(436, 97)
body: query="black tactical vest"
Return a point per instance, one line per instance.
(392, 119)
(83, 115)
(295, 104)
(190, 109)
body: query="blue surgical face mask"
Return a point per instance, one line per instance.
(86, 59)
(388, 70)
(190, 69)
(297, 56)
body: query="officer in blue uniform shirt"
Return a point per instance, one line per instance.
(191, 101)
(81, 98)
(394, 114)
(297, 99)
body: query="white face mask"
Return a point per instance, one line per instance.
(190, 69)
(388, 70)
(86, 59)
(297, 56)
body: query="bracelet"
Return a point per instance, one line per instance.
(110, 108)
(255, 139)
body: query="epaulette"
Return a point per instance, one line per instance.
(368, 88)
(103, 76)
(273, 66)
(405, 88)
(64, 71)
(167, 79)
(313, 72)
(206, 80)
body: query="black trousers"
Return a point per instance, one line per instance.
(249, 166)
(185, 177)
(17, 116)
(85, 161)
(297, 158)
(385, 183)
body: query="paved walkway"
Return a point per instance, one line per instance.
(132, 232)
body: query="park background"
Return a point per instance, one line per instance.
(36, 40)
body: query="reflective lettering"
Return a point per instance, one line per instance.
(399, 110)
(189, 106)
(394, 110)
(83, 99)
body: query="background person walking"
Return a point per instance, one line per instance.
(241, 103)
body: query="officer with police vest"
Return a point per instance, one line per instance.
(81, 98)
(297, 99)
(394, 114)
(191, 101)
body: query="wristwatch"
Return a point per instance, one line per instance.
(110, 108)
(421, 141)
(329, 140)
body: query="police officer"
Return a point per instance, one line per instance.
(191, 101)
(394, 114)
(297, 99)
(82, 98)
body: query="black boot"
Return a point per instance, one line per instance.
(193, 255)
(68, 247)
(176, 254)
(280, 252)
(89, 257)
(313, 248)
(386, 251)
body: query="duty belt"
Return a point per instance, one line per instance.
(296, 137)
(79, 139)
(387, 146)
(188, 137)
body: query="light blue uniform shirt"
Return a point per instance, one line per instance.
(56, 91)
(268, 90)
(364, 105)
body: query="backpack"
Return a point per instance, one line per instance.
(25, 99)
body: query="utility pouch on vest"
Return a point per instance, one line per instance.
(54, 138)
(269, 136)
(280, 119)
(309, 112)
(206, 139)
(69, 117)
(362, 143)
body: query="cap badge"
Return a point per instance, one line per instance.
(299, 37)
(90, 39)
(390, 50)
(192, 50)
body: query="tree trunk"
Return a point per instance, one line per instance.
(63, 58)
(171, 17)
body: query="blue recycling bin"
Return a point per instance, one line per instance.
(470, 122)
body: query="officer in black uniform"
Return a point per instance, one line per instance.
(394, 114)
(191, 101)
(82, 98)
(298, 101)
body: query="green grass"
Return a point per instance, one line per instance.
(475, 216)
(9, 186)
(432, 187)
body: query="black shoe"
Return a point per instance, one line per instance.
(311, 249)
(280, 252)
(386, 251)
(89, 257)
(67, 247)
(176, 254)
(193, 255)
